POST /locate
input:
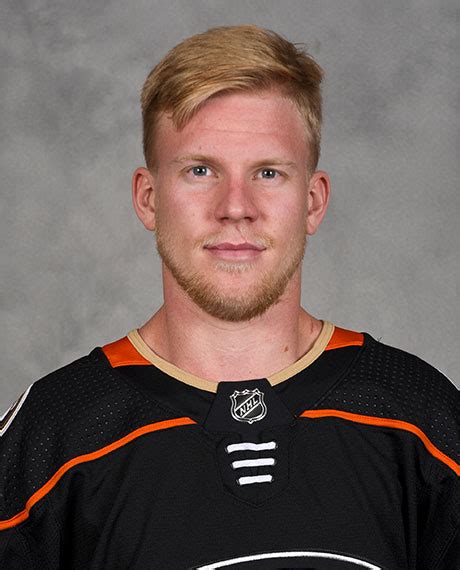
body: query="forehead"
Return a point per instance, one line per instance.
(268, 118)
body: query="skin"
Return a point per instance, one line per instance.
(244, 178)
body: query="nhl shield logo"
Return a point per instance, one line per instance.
(248, 406)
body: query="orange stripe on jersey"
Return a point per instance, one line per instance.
(386, 422)
(51, 483)
(343, 337)
(122, 353)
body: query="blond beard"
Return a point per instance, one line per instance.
(251, 303)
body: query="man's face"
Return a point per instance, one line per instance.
(231, 202)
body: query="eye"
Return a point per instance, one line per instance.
(269, 173)
(200, 170)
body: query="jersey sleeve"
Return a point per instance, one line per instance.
(71, 412)
(392, 388)
(439, 508)
(33, 446)
(451, 557)
(13, 551)
(26, 541)
(439, 505)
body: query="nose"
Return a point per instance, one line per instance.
(236, 202)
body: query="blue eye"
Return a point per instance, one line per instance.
(269, 172)
(199, 170)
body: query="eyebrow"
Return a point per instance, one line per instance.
(210, 160)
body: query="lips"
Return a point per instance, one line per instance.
(236, 252)
(237, 246)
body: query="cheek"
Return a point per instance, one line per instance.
(178, 221)
(291, 216)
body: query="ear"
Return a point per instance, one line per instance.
(318, 199)
(143, 191)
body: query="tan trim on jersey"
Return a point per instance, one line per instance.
(52, 482)
(147, 353)
(386, 422)
(319, 346)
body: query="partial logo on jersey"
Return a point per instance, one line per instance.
(7, 418)
(248, 405)
(306, 560)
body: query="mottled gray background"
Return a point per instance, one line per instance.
(79, 270)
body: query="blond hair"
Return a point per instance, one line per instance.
(229, 59)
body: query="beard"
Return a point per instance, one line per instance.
(250, 302)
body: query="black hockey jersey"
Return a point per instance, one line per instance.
(348, 458)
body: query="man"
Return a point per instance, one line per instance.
(233, 429)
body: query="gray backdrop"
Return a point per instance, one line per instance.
(79, 270)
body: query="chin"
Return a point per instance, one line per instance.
(235, 266)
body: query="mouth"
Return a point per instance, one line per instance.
(235, 251)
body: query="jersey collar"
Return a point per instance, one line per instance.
(315, 351)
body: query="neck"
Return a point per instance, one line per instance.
(183, 334)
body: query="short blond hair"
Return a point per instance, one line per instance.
(228, 59)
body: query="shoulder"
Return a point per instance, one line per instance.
(41, 398)
(69, 394)
(87, 397)
(390, 387)
(405, 380)
(75, 410)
